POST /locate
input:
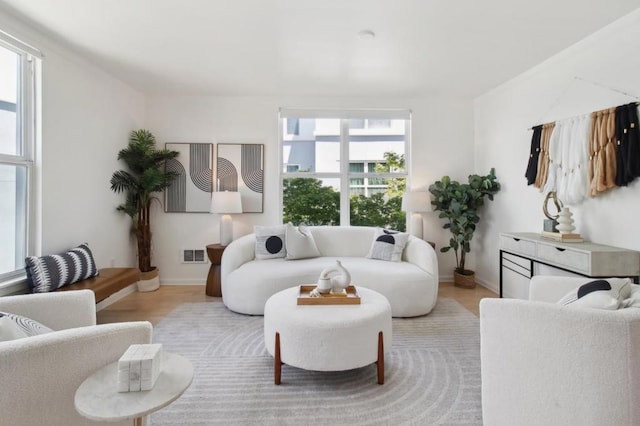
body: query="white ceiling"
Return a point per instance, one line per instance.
(300, 47)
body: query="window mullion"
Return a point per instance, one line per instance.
(345, 216)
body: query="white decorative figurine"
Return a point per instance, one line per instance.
(565, 221)
(332, 284)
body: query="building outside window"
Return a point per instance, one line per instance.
(364, 152)
(18, 68)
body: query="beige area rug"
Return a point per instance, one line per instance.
(432, 374)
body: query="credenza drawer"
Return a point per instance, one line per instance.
(565, 258)
(517, 245)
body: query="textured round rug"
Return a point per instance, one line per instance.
(432, 374)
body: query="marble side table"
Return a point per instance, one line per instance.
(98, 398)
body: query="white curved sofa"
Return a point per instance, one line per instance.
(411, 286)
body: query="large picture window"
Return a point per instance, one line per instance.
(344, 168)
(17, 135)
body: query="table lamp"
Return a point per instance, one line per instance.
(416, 202)
(226, 203)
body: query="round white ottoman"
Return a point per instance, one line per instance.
(327, 337)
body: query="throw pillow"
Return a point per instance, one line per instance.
(16, 327)
(388, 245)
(599, 294)
(634, 299)
(300, 243)
(270, 242)
(47, 273)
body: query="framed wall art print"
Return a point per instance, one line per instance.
(191, 191)
(240, 167)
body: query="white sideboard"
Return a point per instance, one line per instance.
(520, 250)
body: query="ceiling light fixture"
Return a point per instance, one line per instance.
(366, 35)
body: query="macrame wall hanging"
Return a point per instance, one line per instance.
(586, 155)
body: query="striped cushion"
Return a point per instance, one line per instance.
(47, 273)
(16, 327)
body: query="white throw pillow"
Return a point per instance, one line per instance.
(388, 245)
(270, 242)
(300, 243)
(634, 299)
(16, 327)
(599, 294)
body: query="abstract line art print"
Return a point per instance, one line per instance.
(191, 191)
(240, 167)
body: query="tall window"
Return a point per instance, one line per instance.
(349, 167)
(17, 134)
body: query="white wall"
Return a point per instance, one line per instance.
(442, 139)
(87, 116)
(548, 92)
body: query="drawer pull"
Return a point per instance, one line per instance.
(560, 249)
(516, 239)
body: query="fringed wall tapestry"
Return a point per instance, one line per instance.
(587, 155)
(191, 191)
(240, 167)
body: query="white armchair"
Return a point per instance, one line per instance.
(40, 374)
(547, 364)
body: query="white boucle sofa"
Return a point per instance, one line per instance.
(411, 286)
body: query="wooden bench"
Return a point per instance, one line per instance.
(107, 282)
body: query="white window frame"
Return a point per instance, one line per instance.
(344, 175)
(27, 134)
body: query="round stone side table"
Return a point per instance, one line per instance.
(98, 398)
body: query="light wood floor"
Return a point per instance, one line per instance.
(153, 306)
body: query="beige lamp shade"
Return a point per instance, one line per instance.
(226, 203)
(416, 202)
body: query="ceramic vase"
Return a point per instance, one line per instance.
(565, 221)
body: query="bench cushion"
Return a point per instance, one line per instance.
(109, 281)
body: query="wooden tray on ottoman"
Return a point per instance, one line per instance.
(351, 298)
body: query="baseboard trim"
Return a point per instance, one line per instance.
(490, 286)
(181, 281)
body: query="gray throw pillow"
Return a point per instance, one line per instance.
(48, 273)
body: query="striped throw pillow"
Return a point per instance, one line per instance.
(47, 273)
(16, 327)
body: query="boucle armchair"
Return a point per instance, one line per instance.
(547, 364)
(40, 374)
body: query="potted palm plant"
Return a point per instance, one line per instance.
(459, 203)
(146, 176)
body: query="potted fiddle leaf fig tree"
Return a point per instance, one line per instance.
(144, 178)
(460, 203)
